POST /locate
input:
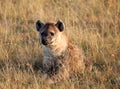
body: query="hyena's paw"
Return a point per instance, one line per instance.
(45, 78)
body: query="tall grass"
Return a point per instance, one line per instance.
(93, 25)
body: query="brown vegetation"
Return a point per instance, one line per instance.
(94, 25)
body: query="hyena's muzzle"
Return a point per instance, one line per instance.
(46, 38)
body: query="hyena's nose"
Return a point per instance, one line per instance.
(44, 42)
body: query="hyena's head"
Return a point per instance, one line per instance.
(49, 32)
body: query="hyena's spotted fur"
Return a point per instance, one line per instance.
(61, 58)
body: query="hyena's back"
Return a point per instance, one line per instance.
(75, 59)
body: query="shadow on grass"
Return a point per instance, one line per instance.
(23, 65)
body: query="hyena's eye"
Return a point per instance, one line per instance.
(51, 33)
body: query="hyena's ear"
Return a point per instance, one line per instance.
(60, 25)
(39, 24)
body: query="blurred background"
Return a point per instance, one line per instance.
(93, 25)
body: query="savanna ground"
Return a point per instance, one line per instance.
(93, 25)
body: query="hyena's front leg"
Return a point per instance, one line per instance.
(46, 68)
(55, 71)
(61, 72)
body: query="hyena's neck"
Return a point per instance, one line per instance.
(59, 47)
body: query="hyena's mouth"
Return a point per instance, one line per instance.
(46, 42)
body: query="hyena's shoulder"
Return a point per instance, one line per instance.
(74, 50)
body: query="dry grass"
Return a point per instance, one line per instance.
(93, 25)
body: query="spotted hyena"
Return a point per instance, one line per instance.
(61, 58)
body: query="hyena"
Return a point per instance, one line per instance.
(61, 58)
